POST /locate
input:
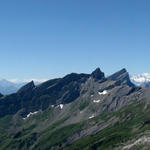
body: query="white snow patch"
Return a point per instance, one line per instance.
(91, 117)
(92, 95)
(61, 106)
(30, 114)
(52, 106)
(103, 93)
(96, 101)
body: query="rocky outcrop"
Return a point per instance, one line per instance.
(121, 76)
(98, 74)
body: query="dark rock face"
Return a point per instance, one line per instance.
(27, 88)
(32, 98)
(66, 89)
(98, 74)
(9, 104)
(1, 95)
(121, 76)
(118, 74)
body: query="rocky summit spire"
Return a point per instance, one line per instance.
(119, 74)
(28, 87)
(98, 74)
(122, 76)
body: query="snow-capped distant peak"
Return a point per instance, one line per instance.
(140, 78)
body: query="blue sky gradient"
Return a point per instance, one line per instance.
(51, 38)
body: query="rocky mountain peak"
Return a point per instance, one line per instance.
(28, 87)
(98, 74)
(122, 76)
(118, 74)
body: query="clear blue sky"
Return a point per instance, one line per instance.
(50, 38)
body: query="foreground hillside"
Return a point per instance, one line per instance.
(79, 111)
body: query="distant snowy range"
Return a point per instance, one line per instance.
(142, 80)
(12, 86)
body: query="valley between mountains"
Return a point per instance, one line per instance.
(77, 112)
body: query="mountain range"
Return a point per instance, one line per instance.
(8, 87)
(77, 112)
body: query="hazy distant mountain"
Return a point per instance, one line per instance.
(141, 80)
(8, 87)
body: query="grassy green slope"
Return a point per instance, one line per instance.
(57, 136)
(129, 126)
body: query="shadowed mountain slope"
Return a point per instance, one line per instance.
(78, 111)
